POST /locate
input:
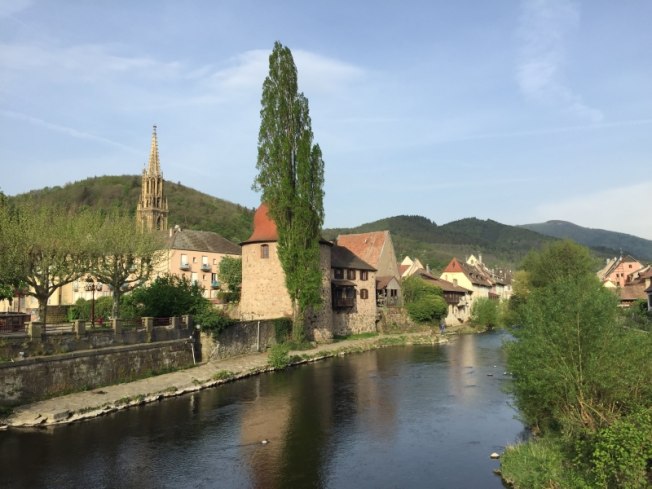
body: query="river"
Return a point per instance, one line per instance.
(399, 417)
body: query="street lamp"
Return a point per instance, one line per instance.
(90, 285)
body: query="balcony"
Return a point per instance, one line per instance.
(343, 302)
(215, 284)
(184, 266)
(205, 267)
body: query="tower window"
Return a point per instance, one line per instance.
(264, 251)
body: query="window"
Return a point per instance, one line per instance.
(393, 293)
(364, 294)
(364, 275)
(338, 273)
(214, 261)
(350, 274)
(193, 277)
(184, 262)
(194, 259)
(264, 251)
(204, 260)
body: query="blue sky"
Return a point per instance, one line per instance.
(517, 111)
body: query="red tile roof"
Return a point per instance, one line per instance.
(475, 275)
(264, 227)
(367, 246)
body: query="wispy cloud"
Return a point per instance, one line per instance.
(544, 26)
(69, 131)
(624, 209)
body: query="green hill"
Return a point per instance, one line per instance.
(611, 243)
(189, 208)
(499, 244)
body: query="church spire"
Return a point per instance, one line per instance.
(152, 210)
(154, 164)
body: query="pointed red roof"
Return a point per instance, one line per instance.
(264, 226)
(367, 246)
(454, 267)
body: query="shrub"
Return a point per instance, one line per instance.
(212, 320)
(622, 451)
(279, 356)
(427, 309)
(486, 312)
(282, 329)
(168, 296)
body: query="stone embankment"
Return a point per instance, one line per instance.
(105, 400)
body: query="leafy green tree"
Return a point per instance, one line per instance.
(291, 178)
(555, 261)
(424, 302)
(123, 256)
(167, 296)
(49, 249)
(230, 273)
(11, 257)
(486, 312)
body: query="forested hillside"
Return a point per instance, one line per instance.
(416, 236)
(189, 208)
(610, 242)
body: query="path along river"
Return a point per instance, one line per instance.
(399, 417)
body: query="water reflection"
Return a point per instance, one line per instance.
(418, 417)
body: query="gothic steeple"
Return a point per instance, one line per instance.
(152, 211)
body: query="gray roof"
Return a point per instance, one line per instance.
(342, 257)
(188, 239)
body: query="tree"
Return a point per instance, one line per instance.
(49, 249)
(291, 178)
(167, 296)
(123, 256)
(557, 260)
(486, 312)
(423, 301)
(230, 273)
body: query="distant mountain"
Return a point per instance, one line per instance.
(499, 244)
(189, 208)
(609, 242)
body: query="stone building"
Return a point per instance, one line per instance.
(353, 289)
(152, 210)
(377, 249)
(263, 294)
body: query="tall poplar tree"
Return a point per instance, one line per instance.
(291, 178)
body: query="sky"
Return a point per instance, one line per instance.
(516, 111)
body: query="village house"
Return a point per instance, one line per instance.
(458, 298)
(469, 277)
(377, 249)
(628, 277)
(617, 270)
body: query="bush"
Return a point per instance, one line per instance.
(82, 309)
(423, 301)
(279, 356)
(486, 312)
(167, 296)
(622, 451)
(282, 329)
(427, 309)
(212, 320)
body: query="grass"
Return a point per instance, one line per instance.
(539, 464)
(358, 336)
(222, 375)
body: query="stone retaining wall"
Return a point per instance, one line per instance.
(39, 378)
(238, 339)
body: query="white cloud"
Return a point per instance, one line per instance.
(623, 209)
(543, 29)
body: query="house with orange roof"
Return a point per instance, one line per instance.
(458, 298)
(377, 249)
(469, 277)
(618, 269)
(348, 285)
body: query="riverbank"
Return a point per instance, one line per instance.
(98, 402)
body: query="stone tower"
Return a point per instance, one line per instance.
(152, 211)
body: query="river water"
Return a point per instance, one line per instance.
(400, 417)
